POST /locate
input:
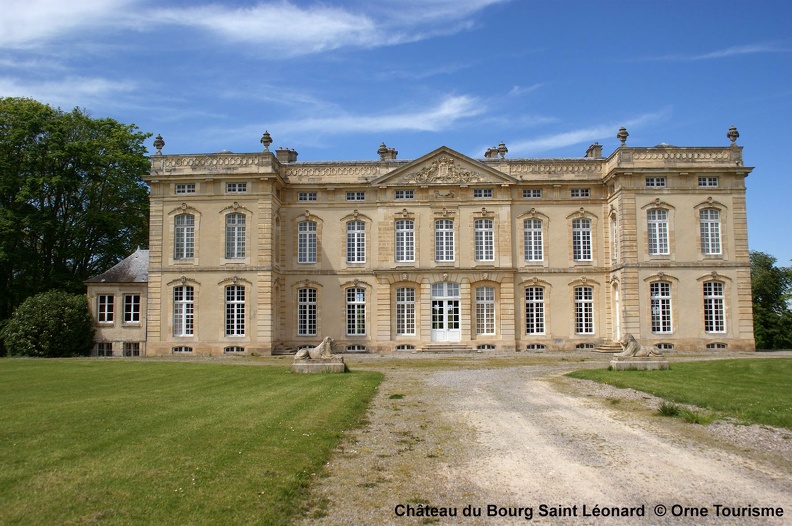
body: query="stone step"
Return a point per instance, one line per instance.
(609, 347)
(446, 348)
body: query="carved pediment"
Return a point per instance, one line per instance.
(443, 170)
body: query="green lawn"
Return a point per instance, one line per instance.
(752, 390)
(130, 442)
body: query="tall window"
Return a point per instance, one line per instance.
(306, 242)
(235, 236)
(484, 240)
(714, 317)
(405, 311)
(581, 239)
(356, 312)
(534, 310)
(532, 232)
(356, 242)
(444, 240)
(485, 310)
(132, 308)
(306, 312)
(660, 293)
(710, 231)
(235, 310)
(584, 310)
(405, 240)
(105, 309)
(615, 238)
(657, 222)
(184, 236)
(183, 310)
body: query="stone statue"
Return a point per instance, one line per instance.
(322, 351)
(634, 349)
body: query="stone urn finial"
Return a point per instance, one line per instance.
(159, 143)
(733, 134)
(502, 150)
(622, 135)
(266, 140)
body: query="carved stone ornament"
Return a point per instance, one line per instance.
(236, 205)
(405, 213)
(183, 279)
(486, 275)
(535, 280)
(442, 171)
(234, 280)
(184, 206)
(445, 277)
(661, 275)
(355, 214)
(710, 200)
(307, 214)
(714, 274)
(584, 279)
(404, 277)
(449, 194)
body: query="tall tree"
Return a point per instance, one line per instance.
(72, 201)
(771, 287)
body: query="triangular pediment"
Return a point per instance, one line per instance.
(443, 166)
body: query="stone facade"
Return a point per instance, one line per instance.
(256, 253)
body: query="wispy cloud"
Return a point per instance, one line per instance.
(68, 91)
(749, 49)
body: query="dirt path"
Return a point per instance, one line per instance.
(521, 437)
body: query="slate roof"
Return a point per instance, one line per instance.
(133, 269)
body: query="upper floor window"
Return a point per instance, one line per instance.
(444, 240)
(580, 192)
(657, 231)
(581, 239)
(532, 233)
(184, 236)
(235, 236)
(655, 182)
(708, 182)
(235, 310)
(306, 196)
(188, 188)
(356, 242)
(132, 308)
(532, 193)
(306, 312)
(484, 240)
(714, 314)
(405, 194)
(534, 310)
(356, 312)
(183, 310)
(306, 242)
(660, 294)
(405, 240)
(482, 193)
(615, 239)
(356, 196)
(104, 312)
(236, 188)
(710, 231)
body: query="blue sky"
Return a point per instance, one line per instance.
(333, 79)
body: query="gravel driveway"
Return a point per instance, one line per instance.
(516, 442)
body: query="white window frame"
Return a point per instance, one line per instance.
(485, 310)
(184, 310)
(584, 310)
(404, 194)
(444, 240)
(236, 188)
(714, 307)
(184, 188)
(484, 239)
(235, 310)
(104, 349)
(356, 241)
(615, 239)
(235, 230)
(533, 240)
(306, 242)
(105, 307)
(131, 308)
(356, 311)
(657, 231)
(532, 193)
(184, 236)
(405, 311)
(708, 182)
(534, 310)
(660, 304)
(130, 349)
(356, 196)
(306, 312)
(482, 193)
(306, 196)
(405, 240)
(581, 240)
(655, 182)
(710, 231)
(580, 193)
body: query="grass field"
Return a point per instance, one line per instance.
(756, 391)
(125, 442)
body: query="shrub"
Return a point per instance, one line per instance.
(49, 325)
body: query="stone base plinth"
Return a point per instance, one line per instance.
(321, 365)
(632, 363)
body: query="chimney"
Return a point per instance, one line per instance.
(286, 155)
(387, 154)
(594, 151)
(491, 153)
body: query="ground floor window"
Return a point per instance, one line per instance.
(356, 312)
(584, 310)
(405, 311)
(104, 349)
(485, 310)
(131, 349)
(714, 317)
(660, 293)
(534, 310)
(306, 312)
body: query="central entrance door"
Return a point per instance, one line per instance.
(445, 312)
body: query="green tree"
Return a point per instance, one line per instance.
(771, 287)
(72, 201)
(50, 325)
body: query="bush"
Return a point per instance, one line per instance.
(50, 325)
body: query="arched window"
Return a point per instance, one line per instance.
(235, 236)
(184, 236)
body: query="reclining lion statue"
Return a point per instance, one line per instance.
(323, 350)
(634, 349)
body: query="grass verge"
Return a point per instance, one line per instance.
(752, 390)
(124, 442)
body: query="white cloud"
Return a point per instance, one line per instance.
(749, 49)
(67, 92)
